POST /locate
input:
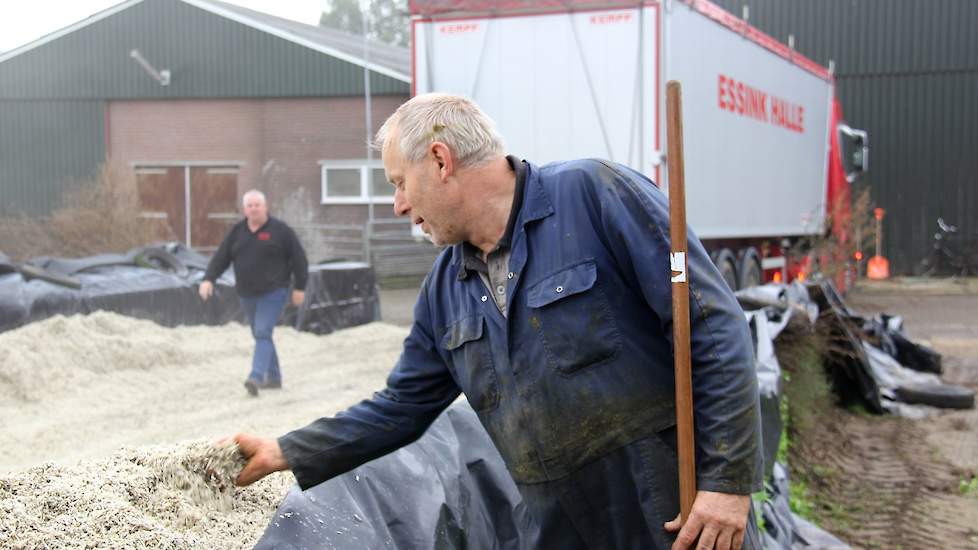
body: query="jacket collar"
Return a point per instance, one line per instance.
(536, 206)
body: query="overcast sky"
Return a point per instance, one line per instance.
(23, 21)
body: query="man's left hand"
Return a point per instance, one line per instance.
(298, 296)
(717, 520)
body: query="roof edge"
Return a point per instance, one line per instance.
(50, 37)
(244, 20)
(227, 14)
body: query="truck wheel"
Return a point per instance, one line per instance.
(750, 269)
(727, 264)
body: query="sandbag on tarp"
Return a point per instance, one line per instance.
(447, 490)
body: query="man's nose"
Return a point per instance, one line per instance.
(401, 206)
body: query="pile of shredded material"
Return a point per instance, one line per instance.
(92, 409)
(52, 357)
(164, 497)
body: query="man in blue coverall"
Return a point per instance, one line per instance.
(551, 310)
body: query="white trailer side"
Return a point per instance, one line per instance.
(756, 128)
(569, 79)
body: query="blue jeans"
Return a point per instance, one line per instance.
(263, 313)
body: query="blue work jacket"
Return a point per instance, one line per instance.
(583, 363)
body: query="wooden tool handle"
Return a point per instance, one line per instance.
(680, 299)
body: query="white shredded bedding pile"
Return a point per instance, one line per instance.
(180, 496)
(108, 424)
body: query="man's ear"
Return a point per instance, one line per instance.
(443, 156)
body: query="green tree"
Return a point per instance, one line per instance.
(388, 19)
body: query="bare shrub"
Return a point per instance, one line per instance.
(851, 230)
(95, 216)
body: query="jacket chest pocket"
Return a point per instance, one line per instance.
(573, 318)
(471, 362)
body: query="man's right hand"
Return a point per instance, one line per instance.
(264, 457)
(205, 290)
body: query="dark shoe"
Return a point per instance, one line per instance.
(271, 385)
(252, 387)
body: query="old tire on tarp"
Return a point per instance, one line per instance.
(158, 258)
(945, 396)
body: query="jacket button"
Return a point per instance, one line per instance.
(510, 276)
(484, 298)
(559, 289)
(500, 289)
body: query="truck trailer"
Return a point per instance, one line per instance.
(767, 156)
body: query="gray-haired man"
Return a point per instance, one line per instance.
(551, 311)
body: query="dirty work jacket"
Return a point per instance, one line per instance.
(583, 364)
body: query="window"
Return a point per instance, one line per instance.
(347, 182)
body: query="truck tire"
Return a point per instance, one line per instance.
(750, 269)
(945, 396)
(726, 262)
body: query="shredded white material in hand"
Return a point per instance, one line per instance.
(163, 497)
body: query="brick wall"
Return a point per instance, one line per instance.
(277, 141)
(278, 144)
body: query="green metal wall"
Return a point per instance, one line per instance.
(45, 146)
(208, 55)
(52, 98)
(907, 72)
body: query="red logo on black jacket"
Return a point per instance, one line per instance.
(264, 236)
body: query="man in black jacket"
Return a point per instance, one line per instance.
(266, 255)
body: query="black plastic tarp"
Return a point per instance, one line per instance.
(133, 291)
(785, 530)
(448, 490)
(160, 284)
(338, 295)
(872, 360)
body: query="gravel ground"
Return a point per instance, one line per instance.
(895, 482)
